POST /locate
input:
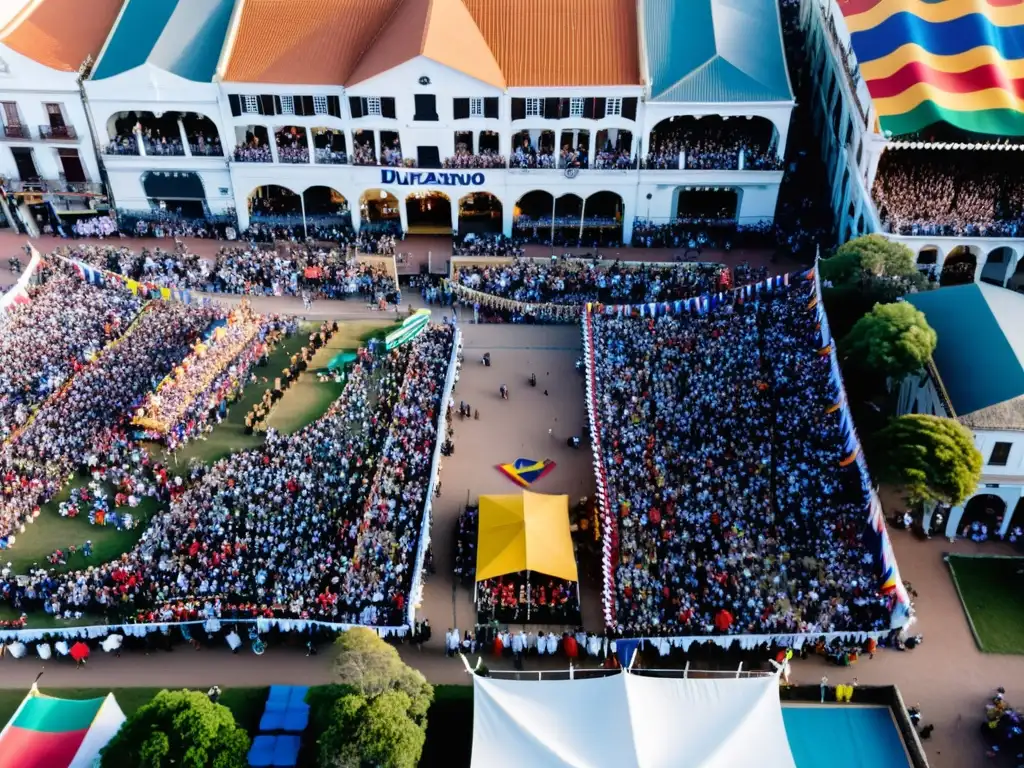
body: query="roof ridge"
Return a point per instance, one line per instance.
(707, 63)
(373, 40)
(427, 21)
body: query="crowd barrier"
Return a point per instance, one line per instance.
(18, 293)
(416, 589)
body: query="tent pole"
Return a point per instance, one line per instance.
(686, 671)
(528, 601)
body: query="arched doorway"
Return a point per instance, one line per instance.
(428, 213)
(718, 205)
(378, 210)
(531, 218)
(1016, 281)
(275, 205)
(326, 208)
(179, 193)
(997, 267)
(602, 220)
(959, 267)
(981, 518)
(568, 221)
(928, 256)
(480, 213)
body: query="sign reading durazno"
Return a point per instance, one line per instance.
(431, 178)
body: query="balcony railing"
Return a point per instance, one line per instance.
(329, 156)
(206, 150)
(122, 145)
(16, 132)
(56, 186)
(164, 148)
(57, 133)
(245, 153)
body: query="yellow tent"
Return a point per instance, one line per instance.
(528, 532)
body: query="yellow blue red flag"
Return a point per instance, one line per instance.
(525, 472)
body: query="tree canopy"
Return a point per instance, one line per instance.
(183, 729)
(891, 340)
(931, 457)
(869, 256)
(377, 713)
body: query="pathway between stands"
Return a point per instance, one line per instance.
(947, 675)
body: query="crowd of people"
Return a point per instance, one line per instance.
(320, 524)
(110, 361)
(464, 158)
(487, 245)
(577, 281)
(528, 156)
(253, 152)
(721, 146)
(731, 509)
(950, 192)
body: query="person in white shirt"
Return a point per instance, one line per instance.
(552, 643)
(542, 644)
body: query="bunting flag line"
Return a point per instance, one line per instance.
(955, 61)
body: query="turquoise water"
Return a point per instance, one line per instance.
(844, 737)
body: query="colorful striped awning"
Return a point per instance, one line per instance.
(954, 61)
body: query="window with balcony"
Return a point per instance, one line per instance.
(13, 128)
(613, 107)
(287, 105)
(319, 105)
(534, 107)
(576, 107)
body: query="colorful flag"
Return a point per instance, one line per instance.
(526, 472)
(955, 61)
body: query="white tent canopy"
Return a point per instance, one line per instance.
(630, 721)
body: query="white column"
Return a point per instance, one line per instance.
(309, 143)
(403, 214)
(454, 205)
(590, 150)
(953, 524)
(1011, 268)
(979, 267)
(184, 138)
(139, 142)
(507, 214)
(357, 216)
(272, 141)
(377, 147)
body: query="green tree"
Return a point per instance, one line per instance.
(371, 667)
(183, 729)
(891, 340)
(869, 256)
(376, 714)
(931, 457)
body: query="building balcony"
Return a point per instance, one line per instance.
(16, 132)
(329, 157)
(206, 150)
(57, 133)
(56, 187)
(246, 153)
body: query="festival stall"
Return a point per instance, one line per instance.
(525, 533)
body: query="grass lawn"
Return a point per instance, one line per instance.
(51, 532)
(245, 703)
(992, 593)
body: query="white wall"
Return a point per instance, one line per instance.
(31, 85)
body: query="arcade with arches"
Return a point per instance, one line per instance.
(378, 208)
(716, 205)
(163, 133)
(480, 213)
(428, 212)
(570, 220)
(711, 141)
(178, 192)
(959, 266)
(326, 206)
(275, 205)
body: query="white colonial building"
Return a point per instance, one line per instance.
(853, 147)
(47, 159)
(977, 378)
(155, 109)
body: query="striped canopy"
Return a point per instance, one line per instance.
(954, 61)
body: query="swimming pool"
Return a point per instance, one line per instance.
(844, 736)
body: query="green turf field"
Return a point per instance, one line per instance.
(992, 596)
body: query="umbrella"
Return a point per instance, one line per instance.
(112, 643)
(79, 651)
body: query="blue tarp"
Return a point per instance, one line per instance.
(286, 751)
(261, 753)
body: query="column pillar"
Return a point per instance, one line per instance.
(590, 150)
(979, 267)
(272, 141)
(507, 216)
(377, 147)
(953, 524)
(403, 214)
(184, 138)
(138, 140)
(1011, 270)
(357, 216)
(309, 144)
(454, 205)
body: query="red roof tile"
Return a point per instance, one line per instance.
(561, 43)
(61, 34)
(303, 42)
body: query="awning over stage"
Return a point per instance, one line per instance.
(527, 532)
(630, 721)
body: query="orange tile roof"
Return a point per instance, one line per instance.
(61, 34)
(561, 42)
(303, 42)
(440, 30)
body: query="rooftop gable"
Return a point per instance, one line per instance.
(183, 37)
(440, 30)
(715, 50)
(58, 34)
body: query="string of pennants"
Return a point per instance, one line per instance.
(700, 305)
(105, 278)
